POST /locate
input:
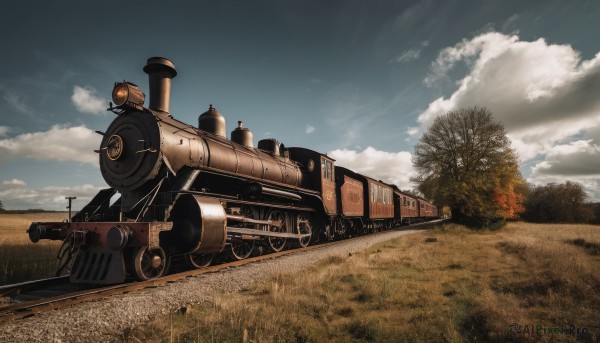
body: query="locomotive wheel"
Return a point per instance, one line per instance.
(196, 260)
(277, 243)
(241, 250)
(303, 226)
(149, 263)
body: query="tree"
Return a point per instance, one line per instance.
(558, 203)
(464, 161)
(1, 206)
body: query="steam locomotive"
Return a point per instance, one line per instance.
(190, 192)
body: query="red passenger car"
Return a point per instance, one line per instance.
(426, 209)
(350, 195)
(405, 207)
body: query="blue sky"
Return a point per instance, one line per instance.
(359, 80)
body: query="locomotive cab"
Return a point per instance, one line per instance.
(319, 175)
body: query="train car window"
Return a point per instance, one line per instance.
(323, 173)
(376, 196)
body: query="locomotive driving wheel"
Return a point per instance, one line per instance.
(149, 263)
(241, 249)
(304, 226)
(197, 260)
(278, 218)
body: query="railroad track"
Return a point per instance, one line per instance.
(25, 309)
(18, 288)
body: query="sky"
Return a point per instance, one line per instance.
(359, 80)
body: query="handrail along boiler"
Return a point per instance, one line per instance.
(191, 192)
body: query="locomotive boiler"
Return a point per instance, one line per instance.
(188, 191)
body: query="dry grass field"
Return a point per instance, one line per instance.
(20, 259)
(525, 282)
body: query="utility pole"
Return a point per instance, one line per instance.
(69, 207)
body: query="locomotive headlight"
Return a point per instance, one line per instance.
(128, 95)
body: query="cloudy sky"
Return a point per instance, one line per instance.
(360, 80)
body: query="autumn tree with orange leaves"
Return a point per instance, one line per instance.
(465, 161)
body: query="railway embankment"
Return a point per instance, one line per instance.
(525, 282)
(110, 319)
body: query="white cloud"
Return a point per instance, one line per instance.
(391, 167)
(60, 143)
(4, 130)
(310, 129)
(17, 196)
(511, 23)
(86, 100)
(412, 130)
(411, 54)
(14, 182)
(580, 157)
(545, 95)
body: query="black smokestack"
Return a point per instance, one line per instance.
(160, 71)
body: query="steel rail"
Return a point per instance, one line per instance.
(8, 290)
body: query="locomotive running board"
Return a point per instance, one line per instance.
(252, 221)
(254, 232)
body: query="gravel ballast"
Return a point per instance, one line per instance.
(106, 319)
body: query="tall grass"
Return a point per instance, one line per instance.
(449, 284)
(20, 259)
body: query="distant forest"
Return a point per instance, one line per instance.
(31, 210)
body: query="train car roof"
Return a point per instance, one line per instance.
(406, 194)
(308, 151)
(347, 171)
(361, 176)
(423, 200)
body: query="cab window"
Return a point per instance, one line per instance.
(327, 169)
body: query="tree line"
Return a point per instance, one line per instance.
(465, 161)
(560, 203)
